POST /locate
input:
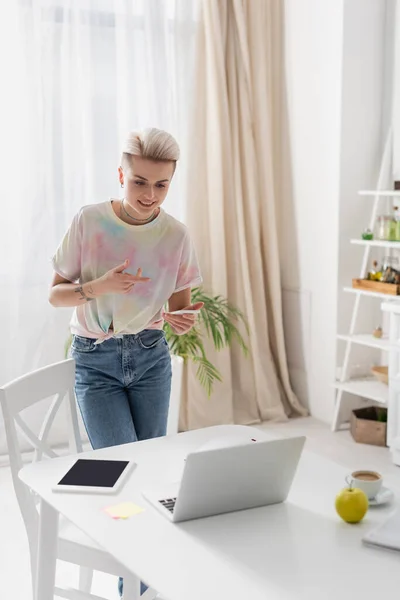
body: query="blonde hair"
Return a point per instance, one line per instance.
(153, 144)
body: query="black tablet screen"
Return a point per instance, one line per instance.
(94, 473)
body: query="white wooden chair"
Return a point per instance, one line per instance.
(56, 381)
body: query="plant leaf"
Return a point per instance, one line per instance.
(207, 373)
(219, 321)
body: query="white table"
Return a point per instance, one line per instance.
(298, 550)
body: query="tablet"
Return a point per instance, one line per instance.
(95, 476)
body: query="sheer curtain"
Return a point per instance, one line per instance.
(81, 74)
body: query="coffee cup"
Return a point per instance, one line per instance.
(370, 482)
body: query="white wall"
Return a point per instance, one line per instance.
(334, 76)
(396, 93)
(360, 154)
(309, 241)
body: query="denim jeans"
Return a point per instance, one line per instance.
(123, 387)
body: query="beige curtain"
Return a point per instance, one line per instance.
(234, 188)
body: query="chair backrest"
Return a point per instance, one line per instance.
(55, 381)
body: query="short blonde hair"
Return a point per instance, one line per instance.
(153, 144)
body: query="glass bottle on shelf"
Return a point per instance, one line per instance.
(386, 228)
(381, 229)
(375, 274)
(397, 221)
(392, 230)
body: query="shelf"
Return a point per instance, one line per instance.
(376, 243)
(387, 193)
(351, 290)
(367, 387)
(366, 339)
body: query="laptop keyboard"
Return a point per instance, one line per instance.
(169, 504)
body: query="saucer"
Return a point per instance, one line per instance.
(384, 496)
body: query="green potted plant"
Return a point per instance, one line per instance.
(220, 321)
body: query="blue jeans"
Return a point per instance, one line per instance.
(123, 387)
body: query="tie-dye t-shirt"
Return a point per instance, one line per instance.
(98, 241)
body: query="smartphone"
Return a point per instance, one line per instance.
(185, 312)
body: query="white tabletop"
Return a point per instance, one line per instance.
(293, 551)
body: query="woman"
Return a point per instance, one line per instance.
(119, 263)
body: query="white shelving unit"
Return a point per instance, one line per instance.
(368, 388)
(380, 193)
(376, 244)
(365, 339)
(356, 292)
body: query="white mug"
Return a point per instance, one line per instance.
(370, 482)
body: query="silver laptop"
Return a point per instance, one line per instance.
(227, 479)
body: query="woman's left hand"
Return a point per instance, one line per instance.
(182, 324)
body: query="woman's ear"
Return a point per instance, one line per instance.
(121, 176)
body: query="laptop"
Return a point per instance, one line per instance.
(386, 535)
(229, 478)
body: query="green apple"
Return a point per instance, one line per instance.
(351, 505)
